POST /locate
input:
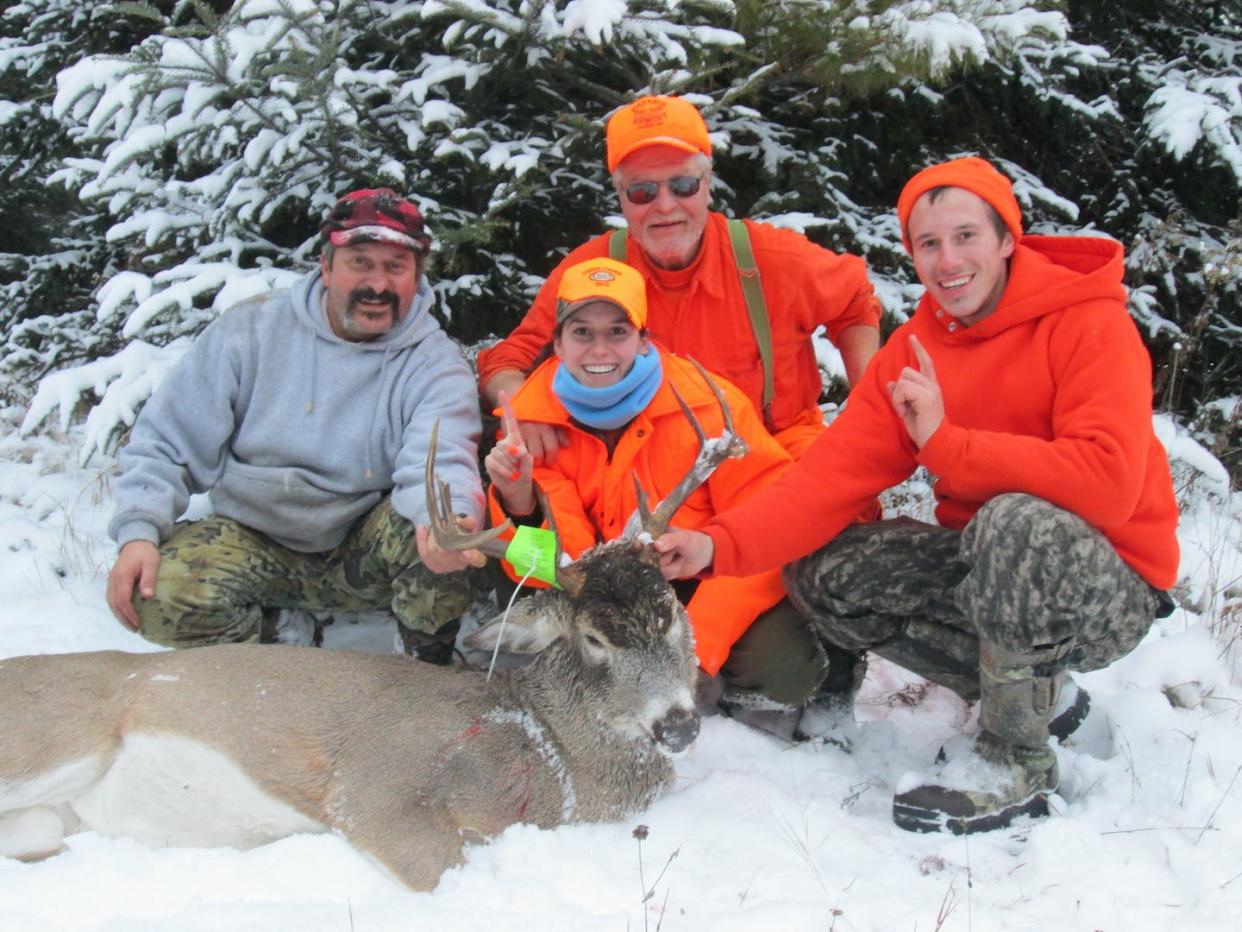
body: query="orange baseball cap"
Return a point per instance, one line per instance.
(656, 121)
(972, 174)
(603, 280)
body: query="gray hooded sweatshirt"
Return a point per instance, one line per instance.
(297, 433)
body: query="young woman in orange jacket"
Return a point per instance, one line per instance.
(609, 390)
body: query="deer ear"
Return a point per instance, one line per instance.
(530, 627)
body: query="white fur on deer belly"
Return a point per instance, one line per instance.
(164, 789)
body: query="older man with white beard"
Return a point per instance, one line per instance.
(746, 317)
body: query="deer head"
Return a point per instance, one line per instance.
(613, 636)
(614, 627)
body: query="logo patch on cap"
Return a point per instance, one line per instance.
(602, 275)
(650, 112)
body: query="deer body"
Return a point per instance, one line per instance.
(239, 745)
(242, 744)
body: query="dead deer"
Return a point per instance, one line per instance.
(240, 745)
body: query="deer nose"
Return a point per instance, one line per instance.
(677, 729)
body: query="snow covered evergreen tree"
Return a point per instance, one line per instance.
(1164, 174)
(216, 143)
(52, 248)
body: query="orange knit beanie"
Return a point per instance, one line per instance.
(974, 175)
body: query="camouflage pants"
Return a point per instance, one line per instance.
(1024, 575)
(217, 577)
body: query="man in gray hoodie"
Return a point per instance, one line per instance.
(305, 415)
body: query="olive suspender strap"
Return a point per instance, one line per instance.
(616, 244)
(752, 292)
(757, 307)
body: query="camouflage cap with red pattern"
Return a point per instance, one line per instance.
(376, 215)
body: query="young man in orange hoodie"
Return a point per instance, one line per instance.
(1023, 387)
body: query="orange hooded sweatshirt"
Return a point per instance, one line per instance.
(1049, 395)
(700, 312)
(591, 496)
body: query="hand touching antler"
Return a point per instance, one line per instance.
(449, 535)
(451, 543)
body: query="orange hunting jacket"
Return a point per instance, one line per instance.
(1049, 395)
(804, 284)
(591, 496)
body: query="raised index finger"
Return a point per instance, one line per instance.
(509, 421)
(925, 361)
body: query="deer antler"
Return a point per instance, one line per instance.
(568, 577)
(711, 454)
(440, 513)
(451, 537)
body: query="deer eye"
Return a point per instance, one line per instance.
(594, 640)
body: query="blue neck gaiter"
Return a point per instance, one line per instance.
(614, 405)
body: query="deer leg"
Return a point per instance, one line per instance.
(35, 833)
(414, 853)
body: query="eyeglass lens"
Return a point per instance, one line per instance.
(644, 192)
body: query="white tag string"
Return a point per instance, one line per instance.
(504, 618)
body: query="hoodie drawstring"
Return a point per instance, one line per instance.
(379, 400)
(314, 375)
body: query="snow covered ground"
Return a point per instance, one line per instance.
(1146, 834)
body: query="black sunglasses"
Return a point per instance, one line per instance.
(644, 192)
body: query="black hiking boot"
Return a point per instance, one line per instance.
(298, 627)
(984, 789)
(828, 716)
(762, 714)
(436, 649)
